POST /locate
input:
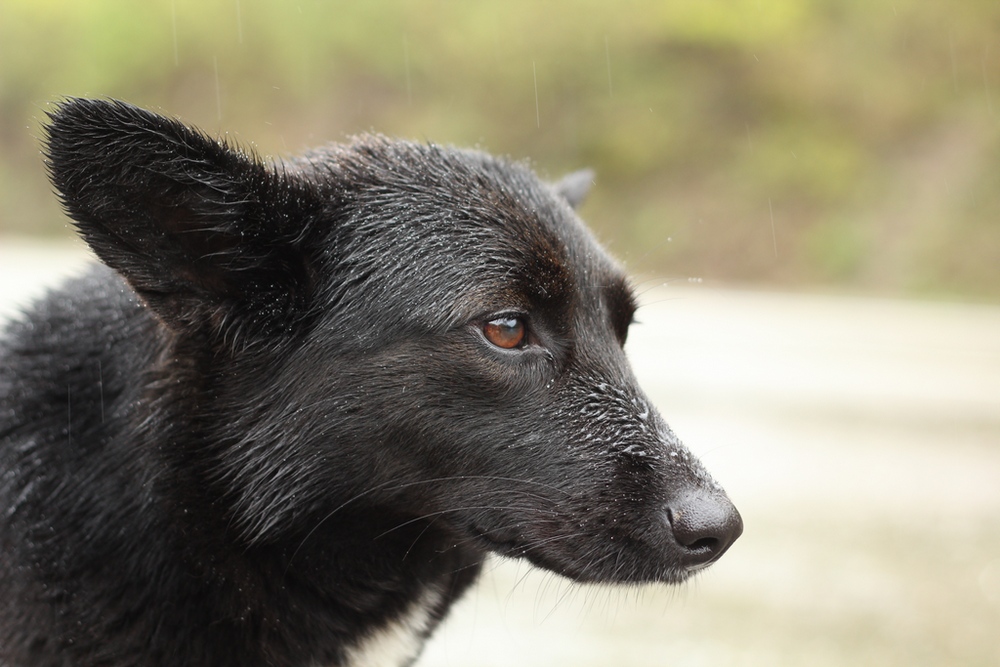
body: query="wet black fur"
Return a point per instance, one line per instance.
(274, 423)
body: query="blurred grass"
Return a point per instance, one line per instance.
(834, 143)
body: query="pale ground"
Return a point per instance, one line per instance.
(860, 439)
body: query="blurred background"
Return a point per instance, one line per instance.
(832, 143)
(809, 196)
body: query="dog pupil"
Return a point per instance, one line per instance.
(505, 332)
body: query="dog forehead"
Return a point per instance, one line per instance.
(443, 234)
(443, 190)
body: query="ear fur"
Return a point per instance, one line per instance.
(203, 232)
(574, 187)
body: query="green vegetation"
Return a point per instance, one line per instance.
(832, 143)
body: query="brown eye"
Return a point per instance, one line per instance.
(505, 332)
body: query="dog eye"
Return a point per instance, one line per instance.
(506, 332)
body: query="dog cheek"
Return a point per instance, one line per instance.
(440, 412)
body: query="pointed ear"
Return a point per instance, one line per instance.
(575, 186)
(207, 235)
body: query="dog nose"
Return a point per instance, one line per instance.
(704, 524)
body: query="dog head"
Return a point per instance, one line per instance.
(382, 324)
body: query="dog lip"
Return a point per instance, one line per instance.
(509, 547)
(668, 571)
(514, 548)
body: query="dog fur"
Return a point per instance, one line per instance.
(276, 427)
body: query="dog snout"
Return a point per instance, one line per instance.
(704, 524)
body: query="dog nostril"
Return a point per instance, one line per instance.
(704, 524)
(705, 543)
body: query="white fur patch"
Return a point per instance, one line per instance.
(398, 642)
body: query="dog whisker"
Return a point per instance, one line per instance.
(395, 486)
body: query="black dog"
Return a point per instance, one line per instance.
(307, 399)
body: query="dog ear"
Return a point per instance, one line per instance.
(575, 186)
(202, 231)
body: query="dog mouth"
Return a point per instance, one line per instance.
(502, 546)
(665, 545)
(611, 558)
